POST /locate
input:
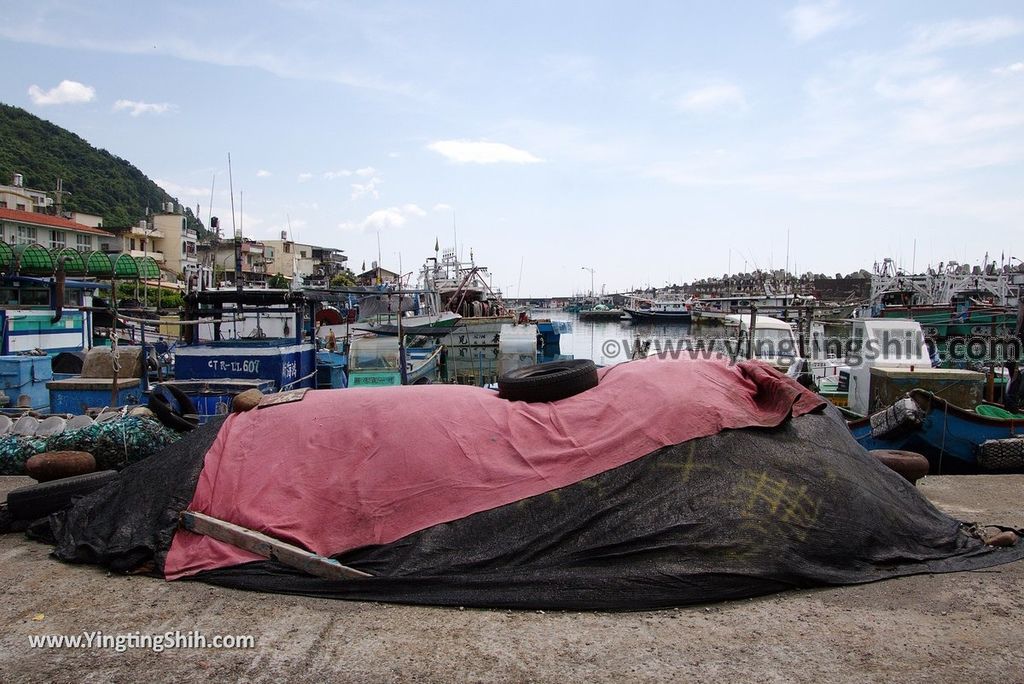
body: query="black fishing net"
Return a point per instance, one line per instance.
(737, 514)
(129, 524)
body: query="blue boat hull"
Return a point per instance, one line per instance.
(949, 436)
(287, 365)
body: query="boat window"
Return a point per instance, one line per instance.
(773, 343)
(31, 296)
(375, 353)
(72, 297)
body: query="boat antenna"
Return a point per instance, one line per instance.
(237, 234)
(787, 253)
(209, 216)
(378, 256)
(519, 285)
(231, 189)
(455, 235)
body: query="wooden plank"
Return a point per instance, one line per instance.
(268, 547)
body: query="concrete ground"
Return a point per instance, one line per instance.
(961, 627)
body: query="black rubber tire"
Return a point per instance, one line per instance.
(39, 500)
(187, 407)
(548, 381)
(910, 464)
(162, 409)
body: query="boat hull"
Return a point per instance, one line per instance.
(950, 436)
(659, 316)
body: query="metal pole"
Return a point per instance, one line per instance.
(750, 332)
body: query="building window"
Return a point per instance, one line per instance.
(302, 254)
(58, 239)
(287, 248)
(26, 235)
(3, 204)
(83, 243)
(131, 244)
(19, 207)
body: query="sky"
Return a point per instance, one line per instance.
(648, 142)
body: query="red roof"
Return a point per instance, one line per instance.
(31, 217)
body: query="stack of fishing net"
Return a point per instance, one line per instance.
(114, 443)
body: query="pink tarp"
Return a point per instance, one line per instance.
(348, 468)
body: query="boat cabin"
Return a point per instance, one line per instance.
(882, 343)
(773, 339)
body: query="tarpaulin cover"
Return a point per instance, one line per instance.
(723, 513)
(386, 462)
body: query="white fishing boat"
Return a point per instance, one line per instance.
(716, 309)
(662, 309)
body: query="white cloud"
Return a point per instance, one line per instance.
(1015, 68)
(382, 219)
(137, 108)
(60, 31)
(304, 176)
(341, 173)
(65, 92)
(807, 20)
(712, 98)
(481, 152)
(393, 155)
(369, 188)
(263, 173)
(958, 33)
(441, 206)
(894, 128)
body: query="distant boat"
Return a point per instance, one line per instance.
(663, 310)
(777, 306)
(602, 312)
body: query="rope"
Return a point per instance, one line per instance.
(198, 321)
(293, 382)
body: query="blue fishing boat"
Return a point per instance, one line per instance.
(951, 437)
(247, 339)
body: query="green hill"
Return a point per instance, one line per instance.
(98, 182)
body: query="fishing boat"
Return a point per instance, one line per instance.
(950, 301)
(255, 335)
(661, 309)
(715, 309)
(771, 341)
(464, 288)
(602, 312)
(949, 436)
(385, 361)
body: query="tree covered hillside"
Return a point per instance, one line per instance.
(98, 182)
